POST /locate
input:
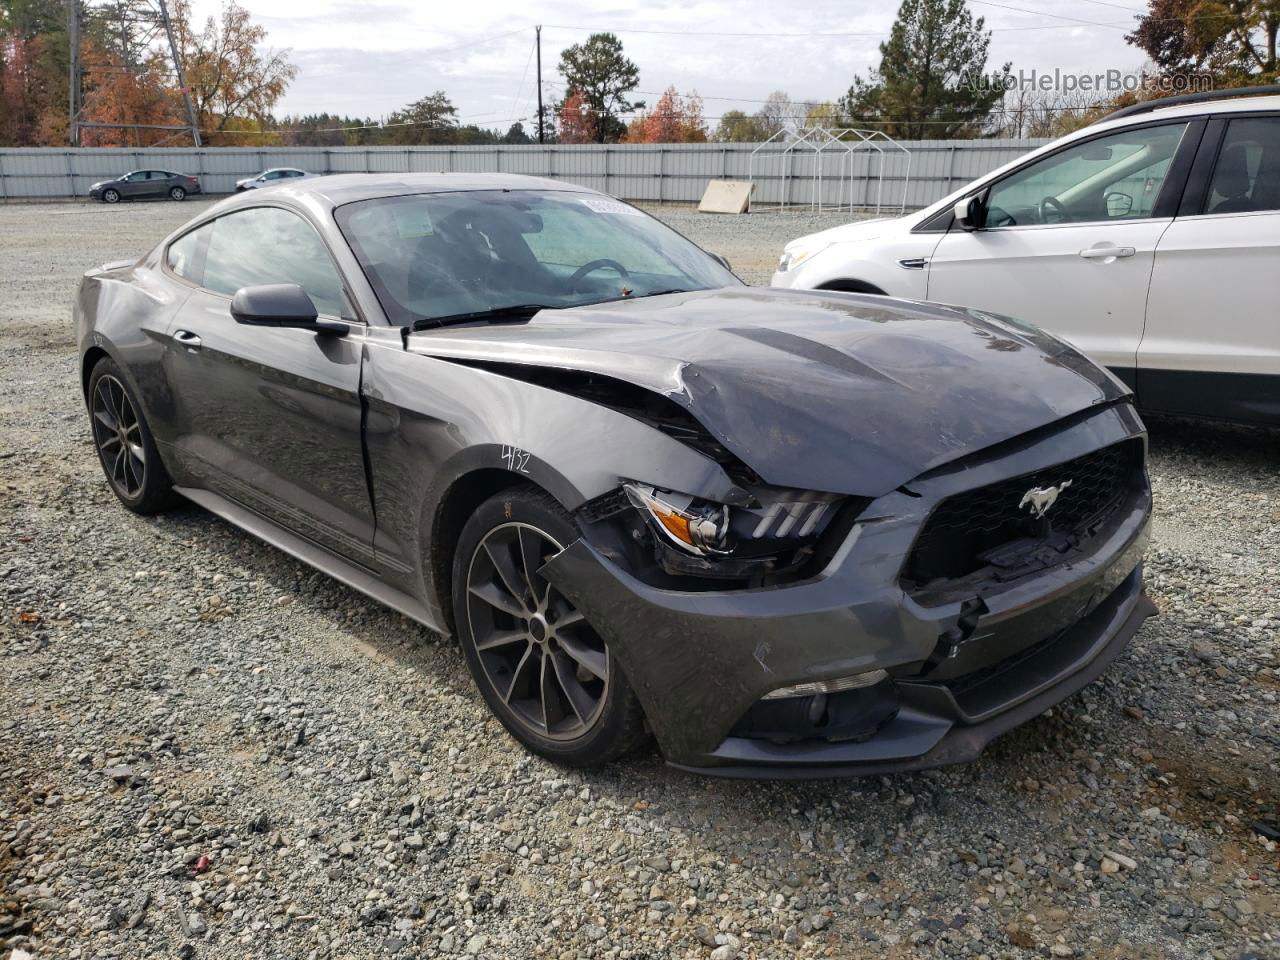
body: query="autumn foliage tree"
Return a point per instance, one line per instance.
(119, 94)
(578, 123)
(673, 119)
(1235, 41)
(33, 72)
(235, 82)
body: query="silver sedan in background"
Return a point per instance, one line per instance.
(271, 177)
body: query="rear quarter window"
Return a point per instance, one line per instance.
(184, 254)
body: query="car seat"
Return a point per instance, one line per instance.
(1231, 181)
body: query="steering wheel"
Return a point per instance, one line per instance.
(1051, 203)
(588, 268)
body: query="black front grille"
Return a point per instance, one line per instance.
(992, 527)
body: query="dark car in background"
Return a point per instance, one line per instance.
(786, 533)
(145, 183)
(269, 178)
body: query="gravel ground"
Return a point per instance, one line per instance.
(209, 750)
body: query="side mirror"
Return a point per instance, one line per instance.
(723, 261)
(968, 213)
(281, 305)
(1118, 204)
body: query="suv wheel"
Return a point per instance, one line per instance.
(543, 670)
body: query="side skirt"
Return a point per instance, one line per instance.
(1240, 397)
(309, 553)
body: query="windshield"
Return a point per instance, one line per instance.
(444, 254)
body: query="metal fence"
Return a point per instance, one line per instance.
(642, 172)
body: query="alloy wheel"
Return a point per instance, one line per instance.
(118, 435)
(177, 193)
(542, 658)
(111, 196)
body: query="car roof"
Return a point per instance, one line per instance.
(1194, 109)
(342, 188)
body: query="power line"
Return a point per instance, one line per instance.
(842, 35)
(473, 43)
(1116, 6)
(1053, 16)
(523, 74)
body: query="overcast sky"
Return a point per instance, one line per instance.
(367, 59)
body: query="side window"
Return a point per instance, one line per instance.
(184, 254)
(1117, 177)
(1246, 177)
(270, 245)
(273, 175)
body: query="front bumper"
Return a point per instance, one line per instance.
(700, 661)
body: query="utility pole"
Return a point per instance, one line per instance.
(179, 75)
(73, 38)
(538, 32)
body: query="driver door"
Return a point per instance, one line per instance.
(135, 184)
(1069, 241)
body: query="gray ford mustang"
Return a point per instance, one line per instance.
(783, 533)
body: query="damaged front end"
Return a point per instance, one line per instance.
(798, 633)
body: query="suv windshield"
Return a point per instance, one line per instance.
(444, 254)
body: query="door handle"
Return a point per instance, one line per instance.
(188, 339)
(1107, 253)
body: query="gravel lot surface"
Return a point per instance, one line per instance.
(209, 750)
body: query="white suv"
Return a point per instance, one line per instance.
(1151, 240)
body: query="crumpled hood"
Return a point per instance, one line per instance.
(825, 391)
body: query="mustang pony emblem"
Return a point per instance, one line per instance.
(1041, 499)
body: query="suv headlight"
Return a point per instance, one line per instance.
(794, 255)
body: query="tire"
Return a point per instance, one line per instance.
(177, 193)
(578, 718)
(110, 195)
(126, 449)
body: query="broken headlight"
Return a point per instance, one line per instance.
(694, 536)
(700, 527)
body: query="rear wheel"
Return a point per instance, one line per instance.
(111, 195)
(541, 667)
(126, 449)
(177, 193)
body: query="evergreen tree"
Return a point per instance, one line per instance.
(932, 82)
(602, 74)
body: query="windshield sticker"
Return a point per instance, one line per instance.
(599, 205)
(412, 221)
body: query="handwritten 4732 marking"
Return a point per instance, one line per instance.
(515, 459)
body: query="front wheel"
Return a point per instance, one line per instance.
(177, 193)
(541, 667)
(110, 196)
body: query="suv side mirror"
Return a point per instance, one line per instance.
(281, 305)
(969, 212)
